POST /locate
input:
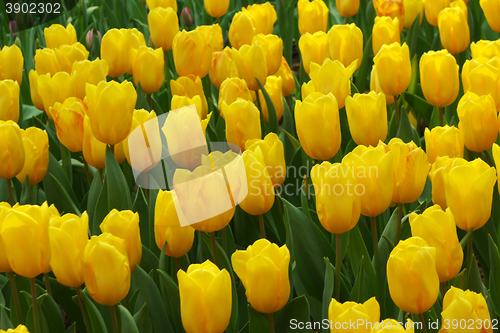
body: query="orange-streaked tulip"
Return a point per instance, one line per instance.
(87, 71)
(439, 78)
(36, 149)
(385, 32)
(152, 4)
(115, 49)
(347, 8)
(13, 56)
(190, 86)
(192, 54)
(242, 30)
(213, 35)
(443, 141)
(216, 8)
(222, 67)
(287, 77)
(313, 16)
(148, 67)
(393, 68)
(12, 152)
(264, 16)
(68, 119)
(346, 44)
(251, 64)
(491, 9)
(413, 8)
(232, 89)
(342, 314)
(35, 96)
(273, 47)
(57, 35)
(9, 102)
(274, 87)
(313, 48)
(55, 89)
(242, 122)
(391, 8)
(164, 25)
(454, 29)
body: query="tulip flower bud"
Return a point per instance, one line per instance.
(242, 30)
(12, 152)
(412, 9)
(57, 35)
(442, 165)
(482, 77)
(216, 8)
(412, 276)
(433, 8)
(438, 229)
(4, 262)
(222, 67)
(94, 151)
(242, 122)
(274, 87)
(264, 261)
(367, 116)
(478, 121)
(313, 48)
(469, 193)
(319, 142)
(106, 269)
(190, 86)
(68, 236)
(385, 32)
(313, 16)
(168, 230)
(454, 30)
(346, 44)
(192, 54)
(264, 16)
(13, 56)
(250, 61)
(213, 35)
(232, 89)
(36, 162)
(465, 306)
(393, 68)
(187, 18)
(87, 71)
(347, 8)
(375, 86)
(273, 48)
(485, 49)
(9, 103)
(115, 49)
(152, 4)
(274, 156)
(148, 67)
(55, 89)
(164, 25)
(13, 28)
(439, 78)
(443, 141)
(491, 9)
(287, 78)
(206, 298)
(89, 38)
(391, 8)
(345, 313)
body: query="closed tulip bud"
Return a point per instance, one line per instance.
(232, 89)
(453, 30)
(385, 32)
(11, 149)
(482, 77)
(485, 49)
(433, 8)
(9, 103)
(375, 86)
(367, 312)
(478, 121)
(393, 68)
(442, 165)
(392, 325)
(264, 16)
(206, 298)
(347, 8)
(55, 89)
(106, 269)
(35, 96)
(412, 276)
(68, 119)
(242, 122)
(242, 30)
(465, 306)
(222, 67)
(274, 156)
(164, 25)
(89, 38)
(13, 56)
(125, 225)
(274, 87)
(190, 86)
(438, 229)
(287, 78)
(94, 151)
(439, 78)
(250, 61)
(318, 125)
(313, 16)
(148, 67)
(216, 8)
(87, 71)
(391, 8)
(68, 236)
(111, 127)
(273, 48)
(337, 203)
(333, 77)
(4, 262)
(115, 49)
(469, 193)
(187, 18)
(57, 35)
(36, 149)
(413, 8)
(367, 116)
(443, 141)
(192, 54)
(264, 261)
(152, 4)
(313, 48)
(491, 9)
(213, 35)
(346, 44)
(179, 102)
(179, 239)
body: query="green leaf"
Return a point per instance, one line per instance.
(142, 320)
(71, 329)
(141, 207)
(116, 183)
(412, 36)
(171, 295)
(474, 278)
(421, 106)
(127, 321)
(358, 253)
(27, 192)
(365, 66)
(96, 320)
(271, 110)
(328, 291)
(293, 140)
(494, 274)
(5, 323)
(59, 196)
(53, 315)
(93, 197)
(55, 169)
(296, 310)
(406, 132)
(257, 321)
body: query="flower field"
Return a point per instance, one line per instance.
(245, 166)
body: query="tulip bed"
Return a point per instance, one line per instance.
(240, 166)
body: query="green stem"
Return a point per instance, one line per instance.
(15, 296)
(101, 174)
(47, 283)
(338, 265)
(87, 172)
(376, 255)
(271, 322)
(177, 264)
(396, 110)
(85, 315)
(114, 319)
(36, 313)
(444, 288)
(469, 252)
(12, 201)
(480, 155)
(441, 117)
(262, 227)
(398, 225)
(150, 101)
(66, 162)
(214, 248)
(422, 320)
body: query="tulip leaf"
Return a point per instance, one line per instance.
(296, 310)
(142, 320)
(118, 192)
(406, 132)
(365, 67)
(288, 121)
(412, 36)
(55, 169)
(257, 321)
(328, 290)
(358, 253)
(53, 315)
(64, 202)
(141, 206)
(93, 197)
(71, 329)
(293, 140)
(96, 320)
(474, 278)
(127, 322)
(357, 289)
(271, 110)
(494, 274)
(5, 323)
(171, 299)
(420, 105)
(26, 193)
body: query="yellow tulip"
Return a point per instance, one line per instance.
(318, 125)
(59, 60)
(18, 329)
(111, 107)
(55, 89)
(392, 325)
(307, 89)
(391, 8)
(192, 53)
(94, 151)
(164, 25)
(35, 96)
(87, 71)
(454, 30)
(204, 123)
(274, 156)
(216, 8)
(367, 116)
(373, 168)
(393, 68)
(433, 8)
(443, 141)
(148, 67)
(68, 236)
(152, 4)
(469, 193)
(57, 35)
(313, 48)
(222, 67)
(412, 9)
(68, 120)
(4, 262)
(313, 16)
(179, 102)
(462, 5)
(375, 86)
(496, 157)
(212, 34)
(442, 165)
(9, 103)
(36, 149)
(264, 16)
(347, 8)
(12, 152)
(263, 270)
(190, 86)
(439, 78)
(412, 276)
(242, 122)
(13, 56)
(206, 298)
(242, 30)
(485, 49)
(482, 77)
(478, 121)
(250, 61)
(385, 32)
(491, 9)
(287, 78)
(231, 89)
(346, 44)
(465, 307)
(273, 47)
(274, 87)
(115, 49)
(342, 314)
(168, 230)
(106, 269)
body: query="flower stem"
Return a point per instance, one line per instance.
(271, 322)
(87, 172)
(85, 315)
(47, 283)
(469, 252)
(398, 225)
(114, 319)
(396, 110)
(338, 265)
(261, 226)
(36, 313)
(214, 248)
(422, 320)
(441, 117)
(15, 295)
(177, 264)
(444, 288)
(376, 255)
(12, 201)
